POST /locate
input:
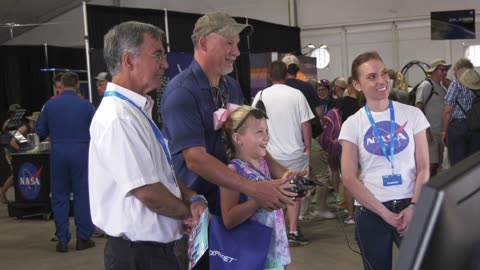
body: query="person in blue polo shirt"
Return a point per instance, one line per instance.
(188, 106)
(66, 120)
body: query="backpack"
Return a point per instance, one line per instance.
(412, 95)
(473, 115)
(328, 139)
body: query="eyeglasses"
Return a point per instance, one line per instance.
(258, 114)
(159, 56)
(220, 96)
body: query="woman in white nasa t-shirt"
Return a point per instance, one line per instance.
(392, 171)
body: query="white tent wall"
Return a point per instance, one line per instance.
(397, 42)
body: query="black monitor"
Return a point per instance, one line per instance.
(455, 24)
(445, 229)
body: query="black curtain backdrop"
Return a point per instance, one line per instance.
(21, 80)
(103, 18)
(266, 37)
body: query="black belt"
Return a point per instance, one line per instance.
(403, 203)
(458, 119)
(125, 240)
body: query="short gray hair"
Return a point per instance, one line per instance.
(126, 37)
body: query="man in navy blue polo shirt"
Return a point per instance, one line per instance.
(188, 105)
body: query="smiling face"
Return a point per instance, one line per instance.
(221, 51)
(322, 91)
(149, 65)
(251, 139)
(373, 80)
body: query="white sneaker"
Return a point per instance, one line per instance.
(323, 214)
(349, 220)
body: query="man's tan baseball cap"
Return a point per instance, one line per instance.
(220, 23)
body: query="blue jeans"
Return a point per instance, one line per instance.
(461, 142)
(375, 236)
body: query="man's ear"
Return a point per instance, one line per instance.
(202, 43)
(127, 60)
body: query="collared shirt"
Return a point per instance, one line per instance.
(464, 96)
(124, 155)
(187, 108)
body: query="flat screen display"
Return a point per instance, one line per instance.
(455, 24)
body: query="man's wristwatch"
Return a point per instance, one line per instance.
(198, 198)
(412, 205)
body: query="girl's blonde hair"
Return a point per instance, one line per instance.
(235, 123)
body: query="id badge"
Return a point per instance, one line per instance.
(392, 180)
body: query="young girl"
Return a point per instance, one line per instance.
(246, 140)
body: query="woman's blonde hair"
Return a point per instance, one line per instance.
(400, 82)
(235, 123)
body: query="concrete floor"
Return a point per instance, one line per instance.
(25, 244)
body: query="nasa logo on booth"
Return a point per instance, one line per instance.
(29, 180)
(372, 145)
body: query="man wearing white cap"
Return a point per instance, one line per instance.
(430, 101)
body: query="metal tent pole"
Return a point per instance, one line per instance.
(87, 51)
(167, 32)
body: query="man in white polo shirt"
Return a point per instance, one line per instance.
(134, 195)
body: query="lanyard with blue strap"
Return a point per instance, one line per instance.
(379, 138)
(157, 132)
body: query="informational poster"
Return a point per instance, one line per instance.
(198, 240)
(259, 64)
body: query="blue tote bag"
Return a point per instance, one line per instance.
(243, 247)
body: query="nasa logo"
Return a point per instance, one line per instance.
(372, 145)
(29, 180)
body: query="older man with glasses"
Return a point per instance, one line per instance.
(135, 196)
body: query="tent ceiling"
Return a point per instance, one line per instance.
(15, 14)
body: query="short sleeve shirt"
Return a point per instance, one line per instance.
(464, 96)
(357, 129)
(187, 108)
